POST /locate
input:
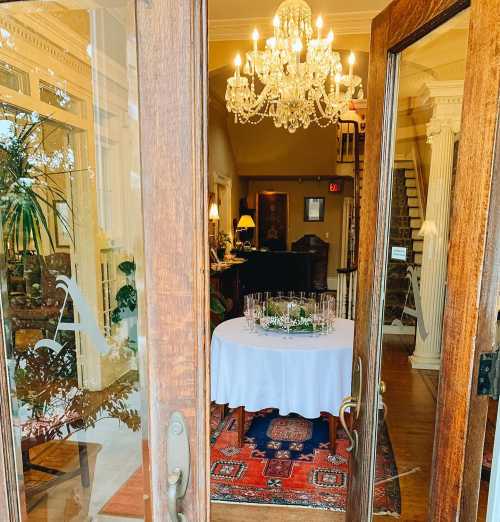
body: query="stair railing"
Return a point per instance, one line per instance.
(421, 182)
(347, 279)
(347, 276)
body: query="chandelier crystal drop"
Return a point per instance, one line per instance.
(297, 79)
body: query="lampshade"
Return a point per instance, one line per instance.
(246, 221)
(213, 212)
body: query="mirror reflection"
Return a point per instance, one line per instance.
(430, 85)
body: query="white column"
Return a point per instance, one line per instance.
(446, 100)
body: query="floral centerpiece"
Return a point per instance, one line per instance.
(292, 315)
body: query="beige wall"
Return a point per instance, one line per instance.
(329, 230)
(221, 159)
(222, 53)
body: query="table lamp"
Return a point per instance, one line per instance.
(245, 223)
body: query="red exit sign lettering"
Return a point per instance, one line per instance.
(335, 186)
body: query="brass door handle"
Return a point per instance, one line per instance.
(348, 402)
(384, 407)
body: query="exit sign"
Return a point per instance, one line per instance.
(335, 186)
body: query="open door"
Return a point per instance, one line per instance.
(102, 369)
(457, 218)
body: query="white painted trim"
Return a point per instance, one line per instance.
(493, 514)
(356, 22)
(227, 183)
(331, 282)
(348, 203)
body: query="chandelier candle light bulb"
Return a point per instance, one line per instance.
(319, 26)
(293, 88)
(351, 60)
(237, 64)
(276, 25)
(255, 38)
(330, 38)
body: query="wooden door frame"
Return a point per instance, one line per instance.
(400, 24)
(172, 61)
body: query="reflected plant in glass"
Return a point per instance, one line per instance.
(126, 309)
(48, 393)
(26, 179)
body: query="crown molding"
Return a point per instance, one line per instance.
(356, 22)
(55, 31)
(26, 35)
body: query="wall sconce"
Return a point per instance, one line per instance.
(213, 212)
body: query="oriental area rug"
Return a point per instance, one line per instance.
(287, 461)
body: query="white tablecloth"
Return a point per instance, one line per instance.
(299, 373)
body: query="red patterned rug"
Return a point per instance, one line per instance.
(287, 461)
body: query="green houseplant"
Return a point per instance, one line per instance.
(126, 299)
(27, 183)
(223, 240)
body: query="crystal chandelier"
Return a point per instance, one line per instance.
(296, 79)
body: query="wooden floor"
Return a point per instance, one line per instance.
(411, 401)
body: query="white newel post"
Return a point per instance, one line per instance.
(446, 101)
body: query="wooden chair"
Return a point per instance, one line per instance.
(314, 244)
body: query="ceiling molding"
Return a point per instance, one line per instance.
(27, 35)
(357, 22)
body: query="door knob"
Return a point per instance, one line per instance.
(353, 402)
(381, 404)
(178, 465)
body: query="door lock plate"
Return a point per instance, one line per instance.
(488, 381)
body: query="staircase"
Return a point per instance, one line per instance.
(408, 202)
(414, 210)
(401, 235)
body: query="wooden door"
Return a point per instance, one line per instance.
(272, 220)
(125, 84)
(473, 245)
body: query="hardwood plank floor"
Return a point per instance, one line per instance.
(411, 401)
(249, 513)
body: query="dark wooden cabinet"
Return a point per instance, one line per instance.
(273, 271)
(226, 284)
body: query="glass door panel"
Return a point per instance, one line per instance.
(430, 83)
(73, 274)
(490, 473)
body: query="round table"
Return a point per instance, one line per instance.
(297, 373)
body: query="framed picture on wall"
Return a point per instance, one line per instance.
(62, 222)
(314, 209)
